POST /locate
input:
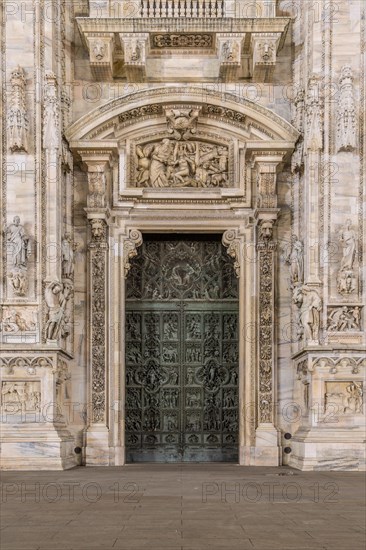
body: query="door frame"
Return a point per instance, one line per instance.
(120, 234)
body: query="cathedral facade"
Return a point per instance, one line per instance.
(183, 233)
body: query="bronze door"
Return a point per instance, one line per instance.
(182, 352)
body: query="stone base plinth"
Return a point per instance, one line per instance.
(97, 452)
(36, 447)
(329, 450)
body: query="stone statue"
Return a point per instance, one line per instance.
(17, 118)
(67, 251)
(310, 313)
(56, 296)
(348, 240)
(295, 259)
(17, 236)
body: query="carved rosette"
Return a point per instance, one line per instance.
(98, 272)
(232, 242)
(266, 248)
(130, 246)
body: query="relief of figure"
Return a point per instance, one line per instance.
(56, 296)
(19, 282)
(354, 399)
(14, 322)
(267, 52)
(17, 236)
(344, 319)
(230, 51)
(181, 164)
(295, 259)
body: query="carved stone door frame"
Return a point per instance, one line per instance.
(239, 238)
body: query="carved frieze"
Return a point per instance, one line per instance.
(175, 163)
(346, 112)
(17, 118)
(182, 41)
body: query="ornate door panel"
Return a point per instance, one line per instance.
(182, 352)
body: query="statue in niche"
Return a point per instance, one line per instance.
(346, 281)
(178, 164)
(19, 282)
(295, 259)
(310, 304)
(67, 252)
(182, 123)
(56, 295)
(347, 236)
(17, 236)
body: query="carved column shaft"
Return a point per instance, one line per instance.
(266, 250)
(98, 250)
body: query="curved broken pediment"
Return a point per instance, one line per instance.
(238, 115)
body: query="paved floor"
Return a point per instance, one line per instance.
(183, 507)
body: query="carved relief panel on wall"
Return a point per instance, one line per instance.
(169, 163)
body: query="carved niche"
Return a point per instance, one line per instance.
(17, 118)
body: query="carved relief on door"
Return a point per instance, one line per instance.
(182, 352)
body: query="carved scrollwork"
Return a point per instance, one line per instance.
(129, 248)
(232, 242)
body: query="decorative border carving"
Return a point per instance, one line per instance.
(129, 248)
(231, 241)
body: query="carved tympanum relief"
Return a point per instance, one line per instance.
(344, 318)
(344, 397)
(19, 252)
(17, 118)
(346, 279)
(176, 163)
(346, 113)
